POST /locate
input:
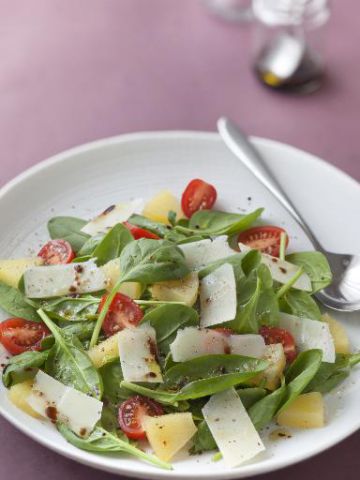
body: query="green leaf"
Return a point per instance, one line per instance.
(102, 441)
(112, 244)
(330, 375)
(149, 261)
(68, 362)
(203, 376)
(68, 228)
(263, 411)
(72, 309)
(81, 330)
(158, 228)
(23, 367)
(167, 320)
(300, 374)
(267, 308)
(203, 441)
(242, 264)
(158, 394)
(221, 223)
(300, 304)
(89, 246)
(15, 303)
(112, 377)
(315, 265)
(249, 396)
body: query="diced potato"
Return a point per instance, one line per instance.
(270, 378)
(169, 433)
(18, 395)
(306, 411)
(105, 351)
(183, 290)
(12, 270)
(112, 273)
(158, 207)
(338, 332)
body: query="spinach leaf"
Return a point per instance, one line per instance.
(72, 309)
(150, 261)
(68, 228)
(81, 330)
(221, 223)
(203, 441)
(68, 362)
(248, 294)
(315, 265)
(23, 367)
(158, 228)
(112, 377)
(203, 376)
(167, 319)
(158, 394)
(300, 374)
(102, 441)
(250, 396)
(89, 246)
(15, 303)
(267, 308)
(301, 304)
(330, 375)
(263, 411)
(112, 244)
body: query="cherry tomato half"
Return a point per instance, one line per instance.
(18, 335)
(279, 335)
(57, 252)
(198, 195)
(138, 232)
(266, 239)
(132, 412)
(123, 312)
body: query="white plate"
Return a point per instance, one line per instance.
(87, 179)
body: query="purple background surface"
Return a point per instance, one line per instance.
(72, 71)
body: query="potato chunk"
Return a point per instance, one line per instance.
(338, 332)
(270, 378)
(184, 290)
(158, 207)
(12, 270)
(169, 433)
(105, 351)
(18, 395)
(112, 273)
(306, 411)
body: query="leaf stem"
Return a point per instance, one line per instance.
(289, 284)
(283, 237)
(157, 302)
(102, 314)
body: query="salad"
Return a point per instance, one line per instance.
(155, 328)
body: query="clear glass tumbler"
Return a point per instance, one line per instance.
(289, 43)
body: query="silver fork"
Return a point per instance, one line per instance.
(344, 292)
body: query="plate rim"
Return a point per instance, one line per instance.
(66, 155)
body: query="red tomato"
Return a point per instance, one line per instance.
(198, 195)
(132, 412)
(138, 232)
(123, 312)
(19, 335)
(266, 239)
(279, 335)
(55, 252)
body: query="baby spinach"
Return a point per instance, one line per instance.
(242, 263)
(68, 228)
(68, 362)
(267, 308)
(112, 377)
(23, 367)
(315, 265)
(263, 411)
(72, 309)
(203, 376)
(203, 441)
(89, 246)
(300, 374)
(16, 304)
(330, 375)
(250, 396)
(167, 319)
(162, 396)
(102, 441)
(220, 223)
(112, 244)
(301, 304)
(81, 330)
(158, 228)
(146, 261)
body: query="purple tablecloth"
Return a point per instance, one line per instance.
(75, 70)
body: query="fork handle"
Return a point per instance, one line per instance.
(241, 147)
